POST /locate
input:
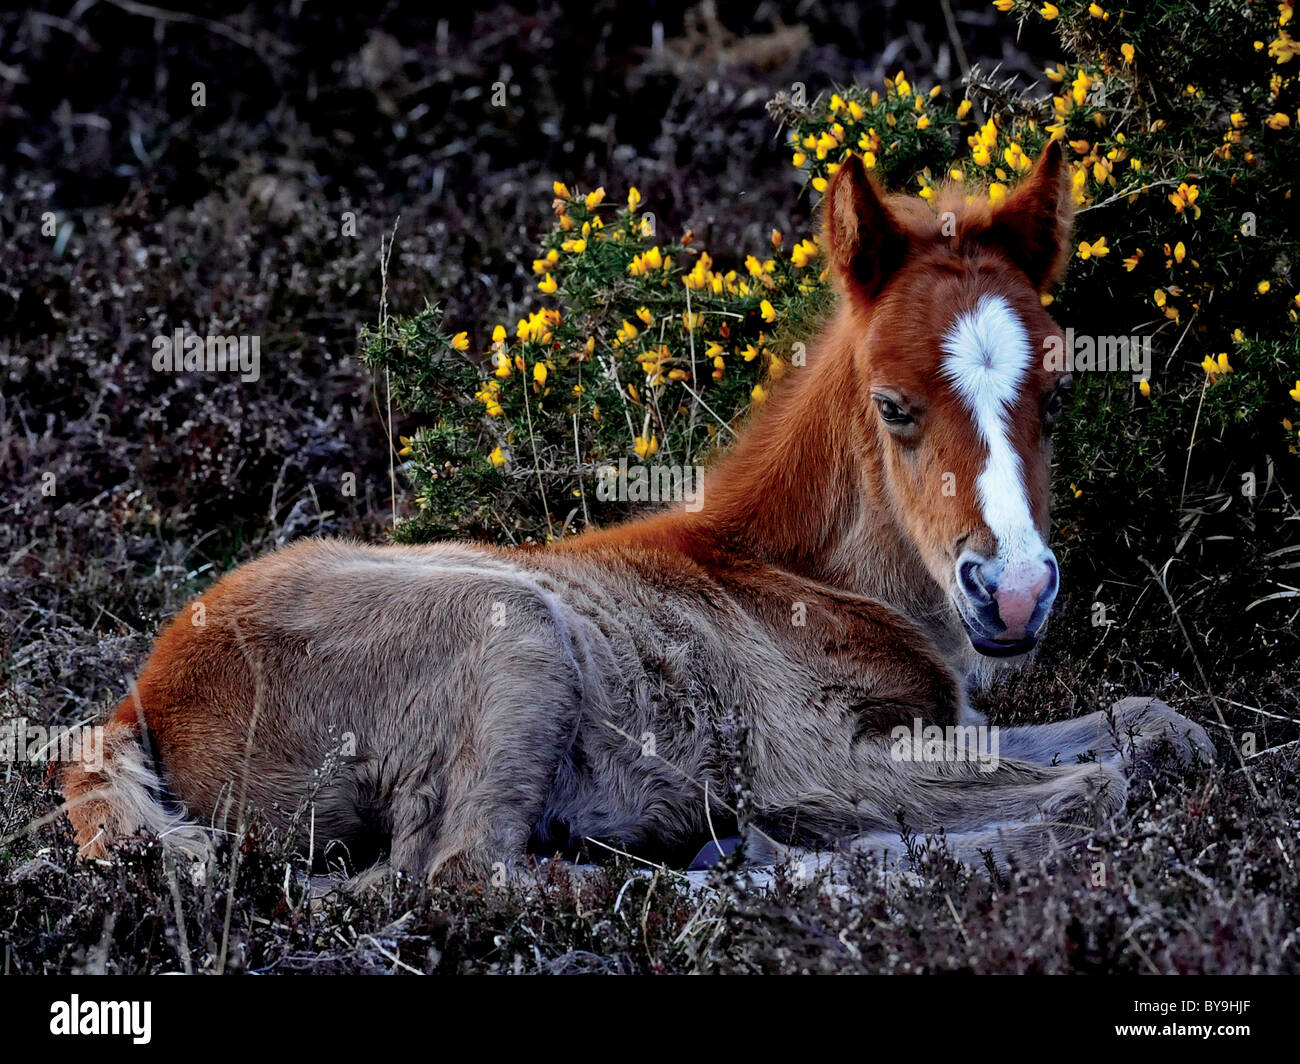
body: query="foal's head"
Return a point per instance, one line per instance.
(949, 365)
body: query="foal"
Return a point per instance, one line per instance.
(874, 544)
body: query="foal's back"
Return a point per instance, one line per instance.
(456, 700)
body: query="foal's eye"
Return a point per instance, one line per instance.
(891, 412)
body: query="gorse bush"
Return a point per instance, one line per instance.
(650, 355)
(1181, 123)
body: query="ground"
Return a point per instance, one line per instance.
(126, 491)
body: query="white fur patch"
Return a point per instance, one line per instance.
(988, 356)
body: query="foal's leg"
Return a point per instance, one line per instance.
(512, 716)
(1041, 798)
(1130, 730)
(1005, 805)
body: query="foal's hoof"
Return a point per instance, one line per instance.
(713, 852)
(1145, 724)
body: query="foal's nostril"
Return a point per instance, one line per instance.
(970, 573)
(1053, 578)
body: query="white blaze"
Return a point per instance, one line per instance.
(988, 355)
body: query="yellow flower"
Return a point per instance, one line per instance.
(1004, 5)
(405, 441)
(576, 246)
(963, 108)
(1186, 197)
(644, 314)
(1278, 121)
(594, 199)
(633, 198)
(497, 458)
(1263, 287)
(502, 364)
(1294, 393)
(1145, 388)
(1096, 12)
(561, 190)
(539, 374)
(1079, 89)
(547, 284)
(460, 341)
(923, 122)
(645, 448)
(1076, 491)
(1132, 261)
(1215, 368)
(1127, 51)
(1180, 252)
(767, 310)
(799, 158)
(819, 183)
(499, 334)
(803, 253)
(759, 394)
(1049, 11)
(1096, 250)
(997, 193)
(1016, 158)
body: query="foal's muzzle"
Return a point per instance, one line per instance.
(1004, 606)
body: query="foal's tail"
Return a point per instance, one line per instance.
(117, 795)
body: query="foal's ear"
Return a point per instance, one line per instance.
(866, 243)
(1032, 225)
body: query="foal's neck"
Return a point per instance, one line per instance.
(804, 490)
